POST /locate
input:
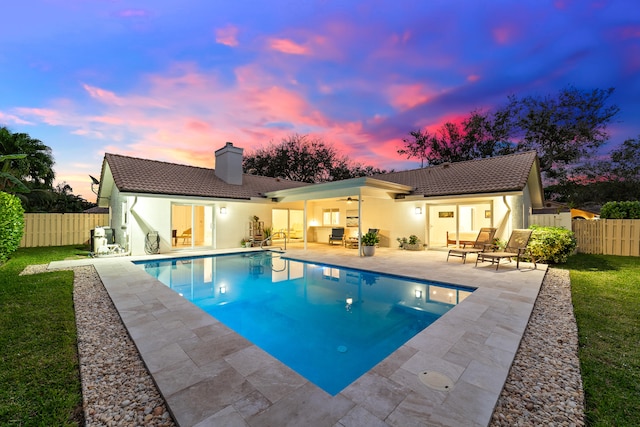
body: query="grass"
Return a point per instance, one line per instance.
(606, 299)
(39, 372)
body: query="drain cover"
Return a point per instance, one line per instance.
(436, 380)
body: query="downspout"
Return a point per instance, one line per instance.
(128, 231)
(141, 222)
(507, 215)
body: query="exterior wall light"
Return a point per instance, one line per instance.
(223, 210)
(418, 210)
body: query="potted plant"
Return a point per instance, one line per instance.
(369, 242)
(410, 244)
(266, 235)
(401, 242)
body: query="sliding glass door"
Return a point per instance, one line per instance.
(191, 226)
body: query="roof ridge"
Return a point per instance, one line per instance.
(158, 161)
(196, 167)
(440, 165)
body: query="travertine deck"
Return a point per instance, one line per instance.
(209, 375)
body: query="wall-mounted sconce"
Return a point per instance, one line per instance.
(223, 210)
(223, 289)
(418, 210)
(418, 293)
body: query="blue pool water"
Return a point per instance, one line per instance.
(330, 324)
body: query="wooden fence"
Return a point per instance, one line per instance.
(47, 229)
(563, 219)
(608, 236)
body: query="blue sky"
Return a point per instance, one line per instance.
(174, 81)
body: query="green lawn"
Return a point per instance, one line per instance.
(606, 299)
(40, 379)
(39, 373)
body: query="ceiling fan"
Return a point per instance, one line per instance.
(350, 200)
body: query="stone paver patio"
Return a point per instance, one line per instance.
(209, 375)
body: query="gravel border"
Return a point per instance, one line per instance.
(544, 386)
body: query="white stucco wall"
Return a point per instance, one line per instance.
(394, 218)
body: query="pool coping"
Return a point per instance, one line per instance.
(209, 375)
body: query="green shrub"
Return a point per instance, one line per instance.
(552, 245)
(11, 224)
(620, 210)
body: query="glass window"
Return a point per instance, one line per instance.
(331, 217)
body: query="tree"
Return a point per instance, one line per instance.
(564, 129)
(605, 180)
(8, 179)
(418, 147)
(478, 136)
(26, 169)
(303, 158)
(36, 169)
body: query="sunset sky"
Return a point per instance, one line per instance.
(174, 80)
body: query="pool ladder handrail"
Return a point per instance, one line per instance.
(271, 237)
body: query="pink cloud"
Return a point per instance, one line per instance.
(227, 36)
(45, 115)
(197, 126)
(104, 96)
(407, 96)
(110, 98)
(12, 118)
(287, 46)
(198, 113)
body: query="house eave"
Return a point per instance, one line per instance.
(348, 187)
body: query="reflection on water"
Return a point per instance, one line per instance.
(302, 312)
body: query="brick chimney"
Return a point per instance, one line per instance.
(229, 164)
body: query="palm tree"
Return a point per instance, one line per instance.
(7, 176)
(35, 168)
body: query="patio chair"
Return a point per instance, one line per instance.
(337, 235)
(516, 248)
(186, 235)
(483, 242)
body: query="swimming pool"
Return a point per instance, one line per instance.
(330, 324)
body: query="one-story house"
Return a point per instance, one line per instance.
(189, 207)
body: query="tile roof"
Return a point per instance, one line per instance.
(135, 175)
(480, 176)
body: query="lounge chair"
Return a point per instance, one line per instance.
(483, 242)
(516, 248)
(337, 235)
